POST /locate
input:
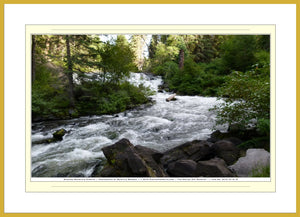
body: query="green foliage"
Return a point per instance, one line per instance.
(112, 60)
(237, 53)
(164, 54)
(137, 45)
(262, 59)
(208, 58)
(117, 61)
(194, 79)
(205, 48)
(262, 140)
(95, 98)
(257, 142)
(49, 97)
(263, 42)
(261, 171)
(152, 46)
(263, 127)
(246, 96)
(167, 69)
(208, 64)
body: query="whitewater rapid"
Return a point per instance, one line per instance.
(160, 126)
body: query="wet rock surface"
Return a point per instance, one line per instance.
(255, 159)
(196, 150)
(198, 158)
(227, 151)
(126, 160)
(215, 167)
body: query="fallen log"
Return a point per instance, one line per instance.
(171, 98)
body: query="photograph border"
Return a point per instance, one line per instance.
(172, 184)
(152, 2)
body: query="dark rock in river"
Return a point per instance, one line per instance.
(196, 150)
(227, 151)
(234, 140)
(192, 159)
(152, 159)
(58, 135)
(126, 161)
(215, 167)
(235, 131)
(255, 160)
(182, 168)
(108, 171)
(216, 136)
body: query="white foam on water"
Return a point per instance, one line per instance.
(40, 136)
(78, 154)
(140, 78)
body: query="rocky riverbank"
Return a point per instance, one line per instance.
(235, 153)
(220, 156)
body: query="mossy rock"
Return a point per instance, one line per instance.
(58, 135)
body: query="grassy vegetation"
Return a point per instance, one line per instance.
(261, 171)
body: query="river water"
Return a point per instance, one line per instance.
(160, 126)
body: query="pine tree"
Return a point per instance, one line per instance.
(137, 44)
(33, 64)
(70, 72)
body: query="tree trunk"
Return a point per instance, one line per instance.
(181, 59)
(33, 59)
(70, 73)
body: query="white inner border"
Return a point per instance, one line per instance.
(17, 16)
(32, 184)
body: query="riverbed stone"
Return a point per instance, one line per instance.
(254, 159)
(215, 167)
(234, 131)
(58, 135)
(226, 150)
(196, 150)
(124, 161)
(182, 168)
(152, 159)
(119, 147)
(107, 171)
(236, 141)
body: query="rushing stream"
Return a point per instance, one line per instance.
(160, 126)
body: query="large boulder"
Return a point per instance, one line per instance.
(182, 168)
(227, 151)
(196, 150)
(107, 171)
(236, 141)
(152, 159)
(215, 167)
(217, 135)
(125, 160)
(255, 159)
